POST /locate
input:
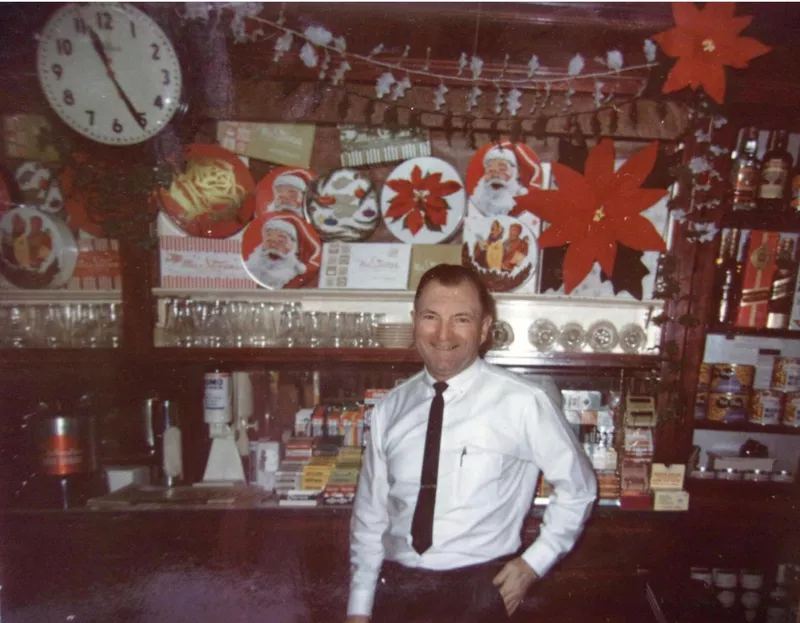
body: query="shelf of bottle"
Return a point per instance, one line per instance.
(53, 357)
(392, 356)
(769, 221)
(732, 332)
(746, 427)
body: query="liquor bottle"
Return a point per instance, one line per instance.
(781, 294)
(776, 174)
(745, 172)
(728, 278)
(794, 202)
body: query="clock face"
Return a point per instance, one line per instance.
(109, 71)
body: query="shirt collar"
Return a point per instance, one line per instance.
(460, 381)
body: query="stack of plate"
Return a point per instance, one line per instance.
(394, 334)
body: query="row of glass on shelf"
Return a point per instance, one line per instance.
(61, 325)
(237, 324)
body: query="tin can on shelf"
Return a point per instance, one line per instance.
(700, 405)
(731, 378)
(786, 374)
(791, 409)
(704, 378)
(766, 406)
(728, 408)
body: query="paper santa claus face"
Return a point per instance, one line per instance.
(343, 205)
(281, 250)
(499, 173)
(283, 190)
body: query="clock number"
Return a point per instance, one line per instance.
(159, 103)
(64, 47)
(142, 119)
(91, 116)
(116, 126)
(58, 70)
(69, 98)
(166, 76)
(104, 20)
(156, 50)
(133, 29)
(80, 26)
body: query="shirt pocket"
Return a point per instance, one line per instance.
(477, 477)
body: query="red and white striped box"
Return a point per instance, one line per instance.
(203, 263)
(98, 266)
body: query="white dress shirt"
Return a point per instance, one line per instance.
(499, 431)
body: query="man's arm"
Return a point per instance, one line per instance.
(564, 465)
(367, 525)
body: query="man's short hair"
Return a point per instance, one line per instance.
(453, 275)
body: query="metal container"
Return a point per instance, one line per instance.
(728, 407)
(791, 409)
(786, 374)
(766, 406)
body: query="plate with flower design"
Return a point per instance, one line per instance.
(423, 201)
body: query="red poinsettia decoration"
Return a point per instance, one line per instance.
(595, 211)
(421, 200)
(704, 41)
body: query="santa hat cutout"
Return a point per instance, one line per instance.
(500, 153)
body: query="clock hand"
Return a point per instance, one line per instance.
(98, 47)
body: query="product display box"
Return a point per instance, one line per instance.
(289, 144)
(365, 266)
(757, 272)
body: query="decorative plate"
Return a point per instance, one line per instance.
(543, 334)
(281, 250)
(39, 186)
(500, 172)
(214, 197)
(502, 335)
(501, 249)
(632, 338)
(38, 250)
(283, 189)
(572, 337)
(602, 336)
(343, 205)
(423, 201)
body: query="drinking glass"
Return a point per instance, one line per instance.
(291, 330)
(315, 328)
(55, 328)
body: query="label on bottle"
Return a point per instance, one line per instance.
(745, 187)
(217, 397)
(773, 179)
(62, 455)
(796, 193)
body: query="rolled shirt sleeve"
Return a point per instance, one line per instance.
(566, 467)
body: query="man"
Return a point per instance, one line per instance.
(288, 193)
(515, 249)
(442, 543)
(489, 253)
(275, 262)
(495, 192)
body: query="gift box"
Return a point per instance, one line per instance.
(289, 144)
(426, 256)
(98, 265)
(23, 137)
(757, 273)
(365, 266)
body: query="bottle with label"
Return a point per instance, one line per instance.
(776, 174)
(781, 294)
(794, 199)
(745, 172)
(728, 278)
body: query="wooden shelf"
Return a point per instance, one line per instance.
(392, 356)
(732, 332)
(12, 357)
(781, 221)
(746, 427)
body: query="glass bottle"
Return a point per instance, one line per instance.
(728, 278)
(781, 294)
(776, 174)
(745, 172)
(794, 199)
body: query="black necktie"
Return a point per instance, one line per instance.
(422, 524)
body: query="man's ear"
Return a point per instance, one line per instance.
(486, 326)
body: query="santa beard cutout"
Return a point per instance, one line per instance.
(274, 269)
(497, 201)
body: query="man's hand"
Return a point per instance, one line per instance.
(513, 582)
(357, 618)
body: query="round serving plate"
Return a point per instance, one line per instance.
(283, 190)
(343, 205)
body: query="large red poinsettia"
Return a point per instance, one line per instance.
(704, 41)
(595, 211)
(420, 200)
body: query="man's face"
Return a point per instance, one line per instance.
(280, 241)
(514, 231)
(289, 195)
(449, 328)
(498, 170)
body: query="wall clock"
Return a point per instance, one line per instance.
(109, 71)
